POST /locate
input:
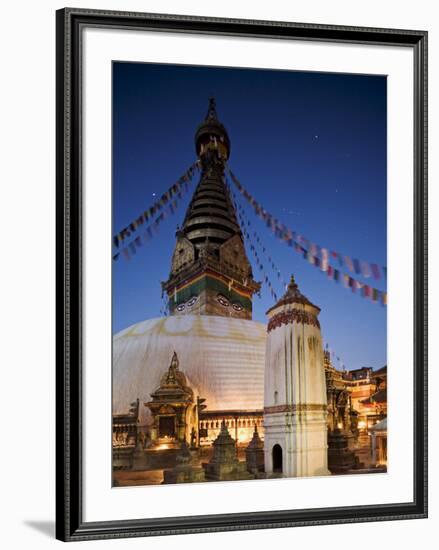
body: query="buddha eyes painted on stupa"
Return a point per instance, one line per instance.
(188, 304)
(237, 306)
(223, 300)
(191, 301)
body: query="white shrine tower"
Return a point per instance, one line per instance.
(295, 407)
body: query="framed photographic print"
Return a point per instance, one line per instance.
(241, 267)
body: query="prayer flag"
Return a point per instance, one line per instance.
(124, 233)
(340, 260)
(325, 258)
(349, 263)
(357, 266)
(365, 269)
(375, 271)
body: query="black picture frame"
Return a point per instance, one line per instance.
(69, 521)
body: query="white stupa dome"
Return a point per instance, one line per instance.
(222, 357)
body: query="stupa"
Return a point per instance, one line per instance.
(210, 289)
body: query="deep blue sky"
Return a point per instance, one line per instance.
(310, 147)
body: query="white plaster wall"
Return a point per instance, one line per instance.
(303, 440)
(294, 370)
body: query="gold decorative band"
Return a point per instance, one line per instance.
(213, 275)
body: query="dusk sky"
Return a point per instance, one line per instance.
(310, 147)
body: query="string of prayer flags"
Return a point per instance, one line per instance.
(246, 221)
(180, 185)
(131, 248)
(317, 256)
(324, 255)
(364, 290)
(164, 310)
(257, 259)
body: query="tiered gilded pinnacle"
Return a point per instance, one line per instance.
(211, 214)
(210, 272)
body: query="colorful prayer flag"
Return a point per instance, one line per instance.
(325, 259)
(349, 263)
(375, 271)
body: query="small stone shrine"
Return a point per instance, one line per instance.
(224, 464)
(185, 470)
(340, 457)
(254, 454)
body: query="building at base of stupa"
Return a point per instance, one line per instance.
(173, 409)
